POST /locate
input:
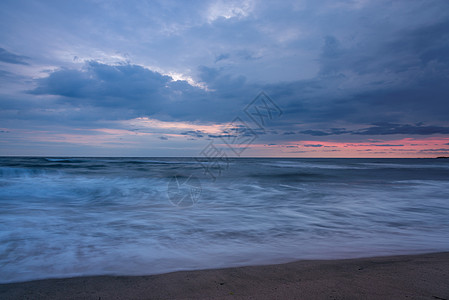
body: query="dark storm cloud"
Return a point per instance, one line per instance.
(100, 82)
(134, 89)
(8, 57)
(122, 91)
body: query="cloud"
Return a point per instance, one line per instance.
(214, 136)
(389, 128)
(329, 56)
(135, 90)
(222, 57)
(358, 81)
(354, 83)
(435, 150)
(8, 57)
(315, 132)
(126, 91)
(103, 81)
(384, 129)
(4, 73)
(332, 131)
(229, 9)
(219, 80)
(145, 124)
(193, 133)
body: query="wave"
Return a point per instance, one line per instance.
(67, 160)
(406, 165)
(10, 172)
(117, 160)
(310, 165)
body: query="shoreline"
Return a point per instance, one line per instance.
(423, 276)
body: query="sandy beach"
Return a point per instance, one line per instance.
(423, 276)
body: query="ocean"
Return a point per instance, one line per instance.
(64, 217)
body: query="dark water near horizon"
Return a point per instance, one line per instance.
(62, 217)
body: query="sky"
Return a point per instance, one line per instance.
(250, 78)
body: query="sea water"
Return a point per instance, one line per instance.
(63, 217)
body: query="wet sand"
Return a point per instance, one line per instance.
(394, 277)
